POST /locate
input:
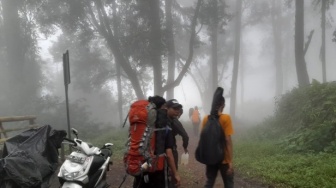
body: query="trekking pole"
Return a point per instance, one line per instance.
(123, 180)
(125, 120)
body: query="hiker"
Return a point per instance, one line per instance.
(164, 144)
(225, 167)
(191, 110)
(175, 110)
(196, 119)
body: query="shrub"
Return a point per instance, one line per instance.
(307, 116)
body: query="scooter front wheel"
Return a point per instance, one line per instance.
(71, 185)
(102, 184)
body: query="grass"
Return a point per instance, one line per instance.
(118, 137)
(265, 161)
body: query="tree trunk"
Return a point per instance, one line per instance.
(214, 36)
(125, 64)
(242, 80)
(323, 46)
(300, 63)
(155, 45)
(171, 48)
(236, 59)
(14, 51)
(120, 102)
(118, 69)
(277, 34)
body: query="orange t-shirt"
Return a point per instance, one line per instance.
(226, 123)
(195, 117)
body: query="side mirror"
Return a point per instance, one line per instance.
(108, 145)
(75, 132)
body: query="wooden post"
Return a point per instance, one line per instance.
(2, 129)
(31, 121)
(62, 153)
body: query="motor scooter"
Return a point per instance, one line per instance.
(86, 166)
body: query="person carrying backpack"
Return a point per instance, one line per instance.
(150, 144)
(196, 119)
(225, 150)
(175, 110)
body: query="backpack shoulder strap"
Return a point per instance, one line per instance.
(151, 118)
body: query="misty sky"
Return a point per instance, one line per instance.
(259, 75)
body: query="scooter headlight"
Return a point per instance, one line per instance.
(70, 175)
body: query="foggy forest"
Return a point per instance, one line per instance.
(127, 50)
(275, 60)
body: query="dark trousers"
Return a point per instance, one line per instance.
(155, 180)
(211, 174)
(196, 127)
(172, 181)
(175, 154)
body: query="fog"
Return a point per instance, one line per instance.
(131, 46)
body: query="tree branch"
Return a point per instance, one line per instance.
(104, 19)
(95, 21)
(308, 42)
(191, 50)
(114, 46)
(194, 78)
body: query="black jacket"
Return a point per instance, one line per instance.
(178, 129)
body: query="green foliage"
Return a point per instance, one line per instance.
(304, 118)
(207, 13)
(265, 162)
(296, 146)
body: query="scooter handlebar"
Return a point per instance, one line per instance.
(71, 141)
(107, 145)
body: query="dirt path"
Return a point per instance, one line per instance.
(192, 175)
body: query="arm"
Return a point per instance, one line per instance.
(228, 130)
(230, 152)
(171, 163)
(205, 119)
(183, 133)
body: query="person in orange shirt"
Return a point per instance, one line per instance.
(225, 167)
(196, 120)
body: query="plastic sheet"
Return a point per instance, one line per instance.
(30, 158)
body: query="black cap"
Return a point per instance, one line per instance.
(173, 103)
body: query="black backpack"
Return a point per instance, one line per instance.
(210, 149)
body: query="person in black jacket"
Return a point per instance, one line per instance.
(175, 110)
